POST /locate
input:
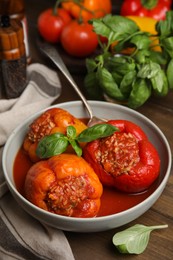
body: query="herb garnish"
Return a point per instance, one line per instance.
(135, 76)
(134, 240)
(57, 143)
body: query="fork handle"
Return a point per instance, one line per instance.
(53, 54)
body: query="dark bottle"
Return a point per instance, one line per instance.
(12, 57)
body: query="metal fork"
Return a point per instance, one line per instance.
(51, 52)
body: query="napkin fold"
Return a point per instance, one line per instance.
(23, 237)
(42, 89)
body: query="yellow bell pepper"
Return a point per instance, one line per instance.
(146, 24)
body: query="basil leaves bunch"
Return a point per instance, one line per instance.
(130, 77)
(57, 143)
(165, 34)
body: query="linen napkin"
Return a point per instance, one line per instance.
(21, 236)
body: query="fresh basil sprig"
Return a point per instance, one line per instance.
(134, 240)
(115, 28)
(57, 143)
(130, 77)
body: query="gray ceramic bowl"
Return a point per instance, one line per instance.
(105, 110)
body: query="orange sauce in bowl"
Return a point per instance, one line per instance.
(112, 201)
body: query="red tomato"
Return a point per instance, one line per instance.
(50, 25)
(78, 39)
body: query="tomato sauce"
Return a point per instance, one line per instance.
(112, 201)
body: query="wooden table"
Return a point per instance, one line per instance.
(98, 246)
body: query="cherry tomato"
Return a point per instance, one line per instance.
(50, 25)
(91, 8)
(78, 39)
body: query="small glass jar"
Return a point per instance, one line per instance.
(12, 57)
(15, 9)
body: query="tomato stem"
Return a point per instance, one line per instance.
(55, 7)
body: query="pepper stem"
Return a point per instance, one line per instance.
(149, 4)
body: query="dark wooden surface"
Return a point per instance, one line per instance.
(99, 245)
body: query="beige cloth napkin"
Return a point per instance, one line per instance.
(21, 236)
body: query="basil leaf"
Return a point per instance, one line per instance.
(96, 132)
(148, 70)
(160, 83)
(121, 26)
(114, 27)
(71, 132)
(100, 27)
(121, 64)
(100, 59)
(108, 84)
(76, 147)
(127, 82)
(168, 46)
(134, 240)
(92, 86)
(142, 56)
(141, 41)
(165, 27)
(117, 77)
(141, 91)
(158, 57)
(52, 145)
(169, 73)
(91, 65)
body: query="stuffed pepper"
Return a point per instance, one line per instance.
(126, 160)
(51, 121)
(64, 184)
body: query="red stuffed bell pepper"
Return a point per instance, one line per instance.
(152, 8)
(126, 160)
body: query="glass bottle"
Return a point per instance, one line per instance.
(12, 57)
(15, 9)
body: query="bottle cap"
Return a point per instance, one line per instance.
(12, 7)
